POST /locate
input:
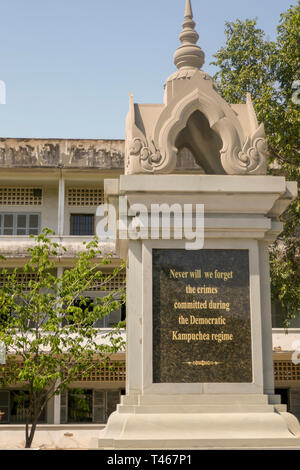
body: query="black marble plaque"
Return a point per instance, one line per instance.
(201, 316)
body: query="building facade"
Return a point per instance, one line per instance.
(59, 185)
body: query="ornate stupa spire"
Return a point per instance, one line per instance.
(189, 55)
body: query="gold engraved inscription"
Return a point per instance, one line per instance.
(203, 363)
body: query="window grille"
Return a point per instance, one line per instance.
(64, 407)
(294, 401)
(104, 403)
(22, 278)
(99, 408)
(85, 196)
(21, 196)
(113, 398)
(112, 372)
(285, 371)
(114, 284)
(19, 223)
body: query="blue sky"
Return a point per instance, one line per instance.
(69, 65)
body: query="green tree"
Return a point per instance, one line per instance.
(47, 325)
(270, 72)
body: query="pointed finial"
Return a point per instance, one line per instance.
(189, 54)
(188, 9)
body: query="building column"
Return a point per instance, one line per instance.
(53, 410)
(61, 206)
(56, 409)
(57, 398)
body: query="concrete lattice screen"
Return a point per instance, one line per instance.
(286, 371)
(21, 196)
(112, 372)
(85, 197)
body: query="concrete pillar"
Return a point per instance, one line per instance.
(134, 319)
(53, 410)
(61, 206)
(56, 409)
(56, 398)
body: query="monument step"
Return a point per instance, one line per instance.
(200, 430)
(195, 408)
(196, 399)
(204, 444)
(280, 408)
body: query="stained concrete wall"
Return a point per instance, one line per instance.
(62, 153)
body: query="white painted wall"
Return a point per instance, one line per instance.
(49, 208)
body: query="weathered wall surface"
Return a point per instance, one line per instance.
(62, 153)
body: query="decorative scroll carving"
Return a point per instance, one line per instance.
(149, 158)
(252, 158)
(254, 149)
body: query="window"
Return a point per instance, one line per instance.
(21, 278)
(86, 305)
(123, 312)
(107, 321)
(80, 406)
(14, 404)
(294, 401)
(4, 406)
(82, 224)
(22, 223)
(87, 405)
(279, 316)
(4, 317)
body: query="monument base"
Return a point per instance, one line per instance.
(199, 421)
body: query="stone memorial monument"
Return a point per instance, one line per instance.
(199, 334)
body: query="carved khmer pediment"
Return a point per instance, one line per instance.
(243, 148)
(223, 138)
